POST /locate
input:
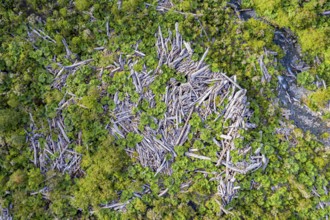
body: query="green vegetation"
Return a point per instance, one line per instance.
(293, 184)
(319, 99)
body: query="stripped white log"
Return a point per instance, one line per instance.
(63, 132)
(68, 51)
(193, 75)
(78, 64)
(197, 156)
(203, 57)
(107, 28)
(234, 168)
(326, 13)
(163, 192)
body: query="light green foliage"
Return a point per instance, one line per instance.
(133, 139)
(314, 40)
(103, 179)
(305, 79)
(53, 96)
(319, 99)
(257, 34)
(82, 4)
(35, 179)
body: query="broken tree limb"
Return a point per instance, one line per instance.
(78, 64)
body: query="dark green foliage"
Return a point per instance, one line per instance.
(9, 120)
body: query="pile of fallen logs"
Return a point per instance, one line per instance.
(4, 214)
(51, 149)
(197, 95)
